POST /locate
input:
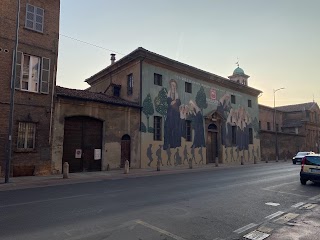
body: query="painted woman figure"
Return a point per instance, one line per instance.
(172, 128)
(197, 118)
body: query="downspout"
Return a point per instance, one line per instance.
(140, 109)
(52, 103)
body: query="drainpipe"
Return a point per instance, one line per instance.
(52, 103)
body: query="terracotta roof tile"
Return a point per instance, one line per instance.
(296, 107)
(93, 96)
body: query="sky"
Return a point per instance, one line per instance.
(277, 42)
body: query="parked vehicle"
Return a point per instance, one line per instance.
(310, 169)
(300, 156)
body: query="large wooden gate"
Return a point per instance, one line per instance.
(82, 144)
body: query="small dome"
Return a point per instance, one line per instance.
(238, 71)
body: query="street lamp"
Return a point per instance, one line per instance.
(275, 122)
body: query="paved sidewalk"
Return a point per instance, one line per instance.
(53, 180)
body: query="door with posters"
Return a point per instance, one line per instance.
(82, 144)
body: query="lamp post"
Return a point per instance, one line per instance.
(275, 122)
(11, 114)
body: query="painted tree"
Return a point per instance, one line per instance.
(201, 99)
(147, 108)
(161, 103)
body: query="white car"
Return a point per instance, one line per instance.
(300, 156)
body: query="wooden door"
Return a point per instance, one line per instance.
(125, 150)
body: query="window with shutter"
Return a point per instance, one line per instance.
(34, 18)
(45, 75)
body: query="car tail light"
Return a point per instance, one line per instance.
(303, 162)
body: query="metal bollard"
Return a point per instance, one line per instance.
(190, 163)
(126, 167)
(285, 158)
(158, 165)
(267, 159)
(0, 172)
(242, 163)
(66, 170)
(254, 160)
(277, 159)
(216, 161)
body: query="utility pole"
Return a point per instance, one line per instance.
(275, 122)
(13, 77)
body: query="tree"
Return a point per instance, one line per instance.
(147, 108)
(201, 99)
(161, 103)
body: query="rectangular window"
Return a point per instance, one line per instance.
(188, 87)
(157, 122)
(188, 131)
(26, 135)
(34, 18)
(33, 73)
(233, 99)
(157, 79)
(130, 84)
(234, 134)
(250, 136)
(249, 103)
(268, 126)
(116, 90)
(277, 127)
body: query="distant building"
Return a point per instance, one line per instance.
(34, 83)
(297, 126)
(173, 113)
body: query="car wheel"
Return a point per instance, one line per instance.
(303, 181)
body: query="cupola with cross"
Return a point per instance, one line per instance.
(239, 76)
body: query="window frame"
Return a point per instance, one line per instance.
(35, 14)
(157, 128)
(116, 90)
(249, 103)
(43, 72)
(250, 135)
(233, 99)
(25, 137)
(268, 126)
(188, 127)
(157, 79)
(130, 84)
(188, 87)
(234, 135)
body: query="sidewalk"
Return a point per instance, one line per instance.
(82, 177)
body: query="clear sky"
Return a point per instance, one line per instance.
(277, 41)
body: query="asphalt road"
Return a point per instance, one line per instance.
(210, 204)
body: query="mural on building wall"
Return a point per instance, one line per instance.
(176, 107)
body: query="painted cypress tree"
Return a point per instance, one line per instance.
(161, 103)
(147, 108)
(201, 99)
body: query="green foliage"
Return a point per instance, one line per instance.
(201, 99)
(160, 102)
(143, 127)
(147, 106)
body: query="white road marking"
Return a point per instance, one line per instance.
(245, 228)
(282, 184)
(272, 204)
(41, 201)
(300, 195)
(315, 197)
(159, 230)
(275, 215)
(297, 205)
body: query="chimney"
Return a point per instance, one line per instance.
(113, 58)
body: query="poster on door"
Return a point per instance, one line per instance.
(78, 153)
(97, 154)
